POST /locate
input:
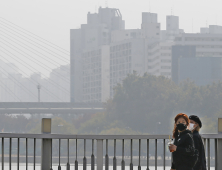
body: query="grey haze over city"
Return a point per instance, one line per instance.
(95, 83)
(52, 19)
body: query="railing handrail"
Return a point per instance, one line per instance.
(74, 136)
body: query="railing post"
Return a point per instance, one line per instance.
(114, 158)
(46, 163)
(99, 159)
(107, 156)
(219, 145)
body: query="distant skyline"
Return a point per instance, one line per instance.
(53, 19)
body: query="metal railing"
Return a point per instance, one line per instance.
(117, 143)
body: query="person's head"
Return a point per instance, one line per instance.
(181, 121)
(195, 123)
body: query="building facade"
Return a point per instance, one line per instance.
(103, 52)
(201, 70)
(96, 74)
(91, 36)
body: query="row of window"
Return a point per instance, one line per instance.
(92, 90)
(120, 67)
(153, 45)
(120, 60)
(92, 59)
(208, 54)
(91, 53)
(163, 60)
(120, 47)
(198, 39)
(91, 71)
(208, 46)
(119, 73)
(92, 78)
(92, 84)
(120, 54)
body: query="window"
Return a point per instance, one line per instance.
(165, 67)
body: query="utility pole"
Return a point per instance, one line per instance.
(39, 88)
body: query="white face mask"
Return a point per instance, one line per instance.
(191, 126)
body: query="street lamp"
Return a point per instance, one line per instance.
(38, 87)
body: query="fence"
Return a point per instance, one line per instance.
(102, 156)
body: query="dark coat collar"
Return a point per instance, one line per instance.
(184, 132)
(195, 132)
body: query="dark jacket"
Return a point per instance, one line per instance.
(183, 156)
(201, 163)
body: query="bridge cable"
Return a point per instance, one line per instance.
(41, 39)
(30, 68)
(42, 64)
(29, 41)
(33, 81)
(9, 90)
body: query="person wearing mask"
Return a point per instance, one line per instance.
(183, 147)
(195, 125)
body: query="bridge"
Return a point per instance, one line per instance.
(50, 107)
(79, 151)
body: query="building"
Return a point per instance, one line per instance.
(150, 27)
(159, 59)
(95, 78)
(201, 70)
(90, 37)
(207, 45)
(180, 51)
(172, 29)
(103, 52)
(125, 57)
(17, 88)
(212, 29)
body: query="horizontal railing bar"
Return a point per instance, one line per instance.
(211, 136)
(61, 136)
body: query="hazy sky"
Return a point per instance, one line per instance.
(52, 19)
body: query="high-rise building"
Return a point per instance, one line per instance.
(96, 33)
(215, 29)
(172, 23)
(207, 45)
(103, 52)
(150, 27)
(125, 57)
(204, 30)
(95, 76)
(172, 29)
(212, 29)
(159, 59)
